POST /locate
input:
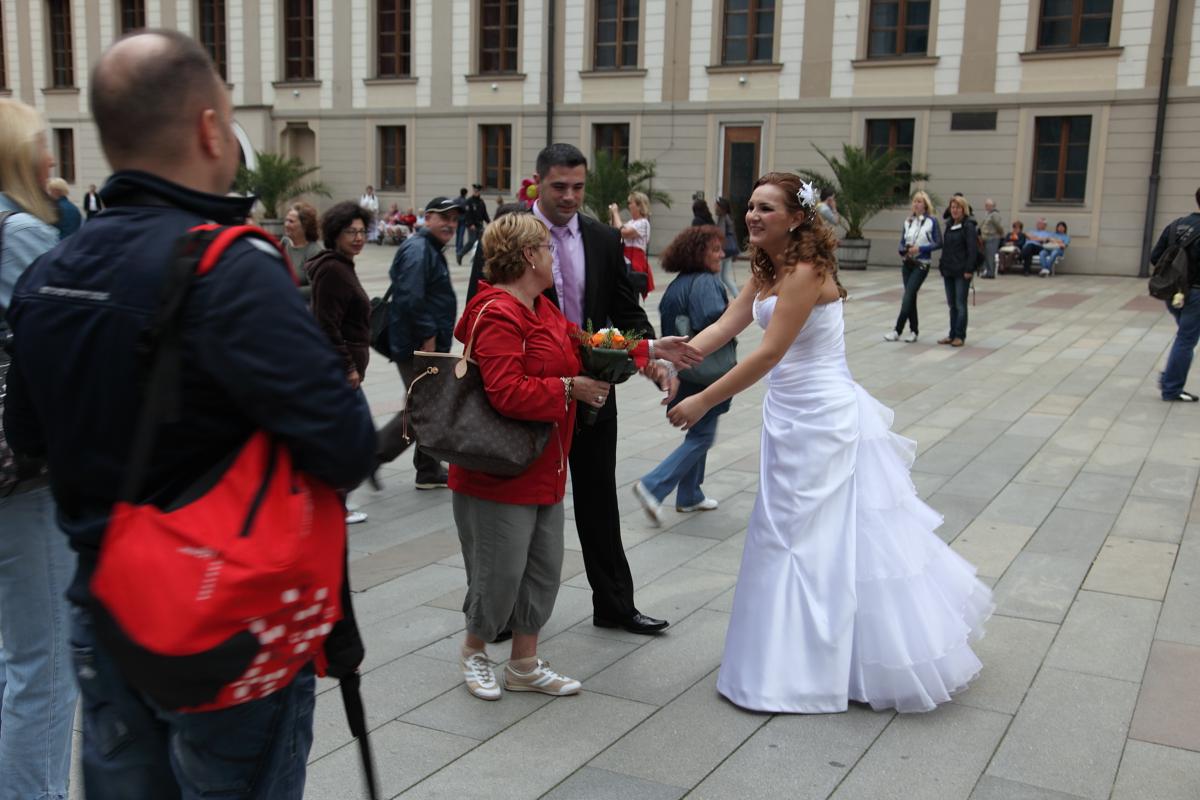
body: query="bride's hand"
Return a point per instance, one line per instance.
(676, 350)
(687, 413)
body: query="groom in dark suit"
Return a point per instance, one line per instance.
(591, 283)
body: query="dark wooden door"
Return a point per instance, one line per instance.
(743, 148)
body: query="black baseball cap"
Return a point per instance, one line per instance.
(441, 204)
(477, 186)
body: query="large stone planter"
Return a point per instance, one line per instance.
(853, 253)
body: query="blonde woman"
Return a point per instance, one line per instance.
(635, 234)
(919, 237)
(37, 680)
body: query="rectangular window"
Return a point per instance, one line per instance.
(612, 138)
(616, 34)
(498, 36)
(133, 15)
(3, 60)
(64, 144)
(211, 29)
(62, 56)
(1060, 159)
(898, 28)
(298, 42)
(894, 135)
(1068, 24)
(393, 154)
(394, 39)
(748, 35)
(496, 156)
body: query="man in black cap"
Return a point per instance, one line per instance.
(474, 218)
(423, 307)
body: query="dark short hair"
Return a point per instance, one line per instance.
(686, 252)
(511, 208)
(1060, 222)
(1198, 197)
(462, 192)
(826, 193)
(559, 154)
(700, 207)
(338, 218)
(1018, 224)
(144, 110)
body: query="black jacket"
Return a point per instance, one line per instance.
(1184, 224)
(253, 359)
(476, 212)
(423, 300)
(959, 249)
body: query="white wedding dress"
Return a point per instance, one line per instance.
(845, 592)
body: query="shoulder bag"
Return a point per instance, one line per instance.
(716, 363)
(448, 411)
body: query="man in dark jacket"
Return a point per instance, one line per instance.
(475, 216)
(424, 307)
(252, 359)
(1187, 316)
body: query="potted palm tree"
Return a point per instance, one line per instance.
(610, 181)
(866, 183)
(274, 180)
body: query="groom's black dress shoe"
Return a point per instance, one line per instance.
(635, 623)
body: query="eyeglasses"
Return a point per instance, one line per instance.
(548, 245)
(356, 233)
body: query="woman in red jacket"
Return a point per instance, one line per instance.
(511, 529)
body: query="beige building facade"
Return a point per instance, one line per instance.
(1047, 106)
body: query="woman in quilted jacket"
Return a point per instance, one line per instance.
(511, 528)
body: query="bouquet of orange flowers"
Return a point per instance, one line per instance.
(607, 355)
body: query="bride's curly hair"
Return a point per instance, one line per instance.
(813, 241)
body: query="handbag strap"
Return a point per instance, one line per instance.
(161, 346)
(474, 325)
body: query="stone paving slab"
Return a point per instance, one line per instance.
(1106, 634)
(1153, 771)
(1132, 567)
(1168, 708)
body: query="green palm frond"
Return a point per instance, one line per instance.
(276, 180)
(866, 183)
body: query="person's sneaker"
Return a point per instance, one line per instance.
(707, 504)
(439, 481)
(540, 679)
(355, 517)
(1182, 397)
(891, 336)
(1044, 273)
(481, 679)
(650, 505)
(912, 337)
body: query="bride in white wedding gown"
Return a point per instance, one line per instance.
(845, 593)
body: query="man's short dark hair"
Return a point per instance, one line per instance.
(142, 110)
(462, 192)
(339, 217)
(559, 155)
(827, 193)
(1198, 197)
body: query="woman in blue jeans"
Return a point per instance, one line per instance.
(959, 250)
(919, 237)
(37, 680)
(698, 294)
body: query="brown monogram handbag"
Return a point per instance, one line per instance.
(448, 411)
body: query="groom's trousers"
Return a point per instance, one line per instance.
(598, 519)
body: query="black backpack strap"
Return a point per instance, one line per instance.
(195, 253)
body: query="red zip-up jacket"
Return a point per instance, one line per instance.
(523, 356)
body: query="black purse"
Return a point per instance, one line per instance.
(448, 411)
(381, 340)
(716, 363)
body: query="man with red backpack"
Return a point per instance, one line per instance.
(251, 366)
(1184, 305)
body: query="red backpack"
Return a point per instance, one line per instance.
(222, 598)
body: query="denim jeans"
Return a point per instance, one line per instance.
(992, 248)
(912, 277)
(1030, 250)
(36, 678)
(956, 297)
(134, 750)
(727, 277)
(683, 469)
(1179, 360)
(459, 232)
(1049, 257)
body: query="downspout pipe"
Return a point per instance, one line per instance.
(1164, 83)
(551, 24)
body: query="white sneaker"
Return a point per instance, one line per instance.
(912, 337)
(707, 504)
(481, 680)
(540, 679)
(355, 517)
(1044, 273)
(891, 336)
(651, 506)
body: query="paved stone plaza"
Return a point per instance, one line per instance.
(1062, 477)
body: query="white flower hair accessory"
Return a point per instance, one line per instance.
(807, 196)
